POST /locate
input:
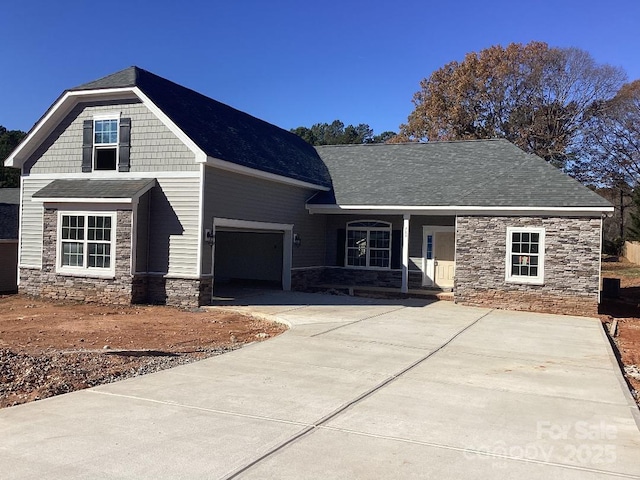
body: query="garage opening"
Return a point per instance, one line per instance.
(249, 258)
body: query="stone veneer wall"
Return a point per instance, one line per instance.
(47, 283)
(123, 288)
(571, 265)
(178, 292)
(306, 278)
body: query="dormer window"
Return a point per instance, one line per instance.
(105, 141)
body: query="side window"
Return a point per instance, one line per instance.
(525, 255)
(105, 144)
(368, 244)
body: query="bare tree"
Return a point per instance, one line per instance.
(535, 96)
(613, 136)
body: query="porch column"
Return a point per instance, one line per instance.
(405, 253)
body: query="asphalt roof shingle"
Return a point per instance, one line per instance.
(9, 208)
(463, 173)
(222, 131)
(10, 196)
(81, 188)
(467, 173)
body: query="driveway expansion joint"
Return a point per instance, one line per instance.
(357, 321)
(202, 409)
(474, 452)
(316, 425)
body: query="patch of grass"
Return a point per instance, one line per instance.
(627, 270)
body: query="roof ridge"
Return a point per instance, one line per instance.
(431, 142)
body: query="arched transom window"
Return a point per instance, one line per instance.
(368, 244)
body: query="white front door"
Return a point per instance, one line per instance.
(438, 254)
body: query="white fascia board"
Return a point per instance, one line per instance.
(86, 204)
(455, 210)
(184, 138)
(113, 175)
(254, 172)
(82, 200)
(55, 115)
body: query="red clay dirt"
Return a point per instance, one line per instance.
(626, 310)
(48, 348)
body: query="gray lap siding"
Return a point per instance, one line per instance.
(571, 264)
(241, 197)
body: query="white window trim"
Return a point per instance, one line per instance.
(86, 271)
(99, 117)
(537, 280)
(368, 230)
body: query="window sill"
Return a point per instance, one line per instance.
(108, 275)
(525, 281)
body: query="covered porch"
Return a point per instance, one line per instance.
(389, 253)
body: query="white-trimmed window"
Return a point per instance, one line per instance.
(525, 255)
(368, 244)
(105, 143)
(86, 243)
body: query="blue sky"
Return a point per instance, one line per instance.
(291, 63)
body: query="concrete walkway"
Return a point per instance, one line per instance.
(357, 388)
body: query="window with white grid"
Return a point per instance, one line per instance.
(525, 255)
(86, 242)
(368, 244)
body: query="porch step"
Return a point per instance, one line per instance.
(363, 290)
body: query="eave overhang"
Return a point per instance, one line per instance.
(254, 172)
(457, 210)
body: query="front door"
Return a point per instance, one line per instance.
(438, 257)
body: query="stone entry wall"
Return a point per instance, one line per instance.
(309, 278)
(178, 292)
(571, 265)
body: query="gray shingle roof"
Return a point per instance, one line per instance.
(465, 173)
(116, 189)
(9, 208)
(222, 131)
(10, 196)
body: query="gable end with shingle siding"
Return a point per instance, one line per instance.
(153, 146)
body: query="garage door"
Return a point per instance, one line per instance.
(248, 257)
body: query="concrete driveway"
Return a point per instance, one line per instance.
(357, 388)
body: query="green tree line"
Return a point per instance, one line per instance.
(9, 139)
